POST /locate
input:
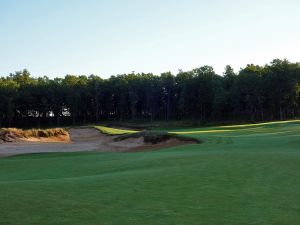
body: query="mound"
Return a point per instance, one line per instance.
(146, 140)
(156, 137)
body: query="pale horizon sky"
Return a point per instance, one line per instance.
(55, 38)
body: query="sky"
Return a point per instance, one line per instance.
(110, 37)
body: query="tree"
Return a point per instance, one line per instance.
(254, 93)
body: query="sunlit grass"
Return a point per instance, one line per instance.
(234, 128)
(199, 131)
(259, 124)
(244, 175)
(114, 131)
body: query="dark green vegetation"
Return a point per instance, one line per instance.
(155, 137)
(240, 175)
(255, 93)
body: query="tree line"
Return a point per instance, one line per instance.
(255, 93)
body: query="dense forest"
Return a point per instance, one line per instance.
(255, 93)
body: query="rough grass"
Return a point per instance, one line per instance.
(244, 177)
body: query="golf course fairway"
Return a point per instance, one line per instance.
(239, 175)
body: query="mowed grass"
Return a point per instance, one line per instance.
(250, 175)
(114, 131)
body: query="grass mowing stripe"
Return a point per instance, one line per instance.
(249, 176)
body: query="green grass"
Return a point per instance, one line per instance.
(113, 131)
(250, 175)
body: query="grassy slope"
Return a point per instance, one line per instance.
(114, 131)
(250, 175)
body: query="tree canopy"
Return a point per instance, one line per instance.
(255, 93)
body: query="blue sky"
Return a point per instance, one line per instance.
(58, 37)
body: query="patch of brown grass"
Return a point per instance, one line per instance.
(44, 133)
(13, 134)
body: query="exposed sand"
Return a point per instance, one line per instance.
(82, 139)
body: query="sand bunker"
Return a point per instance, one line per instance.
(83, 139)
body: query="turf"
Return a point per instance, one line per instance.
(250, 175)
(113, 131)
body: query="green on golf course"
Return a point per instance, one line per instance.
(238, 175)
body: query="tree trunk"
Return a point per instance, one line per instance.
(280, 112)
(262, 113)
(168, 107)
